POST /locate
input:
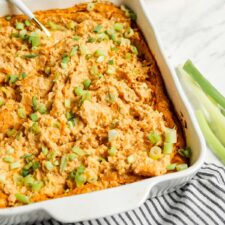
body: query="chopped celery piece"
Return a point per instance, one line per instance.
(34, 103)
(134, 49)
(155, 152)
(154, 137)
(167, 148)
(170, 135)
(206, 86)
(211, 139)
(42, 108)
(65, 61)
(73, 51)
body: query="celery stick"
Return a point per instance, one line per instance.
(206, 86)
(211, 139)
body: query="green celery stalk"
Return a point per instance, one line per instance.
(211, 139)
(206, 86)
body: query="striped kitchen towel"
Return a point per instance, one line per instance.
(200, 201)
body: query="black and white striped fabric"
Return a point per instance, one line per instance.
(200, 201)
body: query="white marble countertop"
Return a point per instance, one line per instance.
(193, 29)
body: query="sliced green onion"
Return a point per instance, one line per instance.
(35, 128)
(7, 159)
(54, 26)
(37, 185)
(34, 39)
(27, 23)
(78, 91)
(2, 102)
(78, 151)
(80, 179)
(65, 61)
(206, 86)
(10, 151)
(94, 70)
(134, 49)
(90, 6)
(11, 132)
(72, 156)
(154, 137)
(118, 27)
(155, 152)
(42, 108)
(91, 40)
(110, 98)
(85, 97)
(25, 172)
(111, 70)
(63, 164)
(23, 75)
(30, 56)
(12, 79)
(19, 26)
(71, 25)
(73, 51)
(180, 167)
(34, 103)
(34, 117)
(210, 137)
(29, 180)
(22, 198)
(100, 59)
(112, 151)
(167, 148)
(130, 159)
(102, 37)
(170, 135)
(100, 52)
(129, 33)
(86, 83)
(111, 62)
(112, 134)
(185, 152)
(67, 103)
(171, 166)
(49, 166)
(83, 50)
(76, 38)
(21, 113)
(44, 150)
(8, 18)
(98, 29)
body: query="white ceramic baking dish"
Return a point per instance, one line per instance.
(115, 200)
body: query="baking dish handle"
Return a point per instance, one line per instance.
(100, 203)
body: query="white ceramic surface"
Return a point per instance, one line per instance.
(114, 200)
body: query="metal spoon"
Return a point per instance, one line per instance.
(19, 4)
